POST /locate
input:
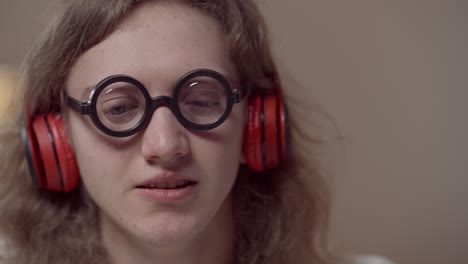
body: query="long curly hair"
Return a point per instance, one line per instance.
(280, 215)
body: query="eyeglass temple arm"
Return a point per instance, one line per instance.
(80, 107)
(237, 95)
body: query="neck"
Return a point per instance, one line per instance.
(214, 245)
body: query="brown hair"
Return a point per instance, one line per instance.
(280, 216)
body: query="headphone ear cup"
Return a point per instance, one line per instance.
(33, 156)
(283, 129)
(270, 131)
(266, 139)
(67, 161)
(253, 134)
(58, 170)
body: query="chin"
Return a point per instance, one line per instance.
(170, 232)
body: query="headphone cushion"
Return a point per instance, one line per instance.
(284, 130)
(270, 131)
(33, 156)
(253, 135)
(67, 160)
(55, 155)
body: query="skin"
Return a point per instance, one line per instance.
(157, 44)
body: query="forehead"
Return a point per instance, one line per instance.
(157, 43)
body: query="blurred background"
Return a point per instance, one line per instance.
(394, 75)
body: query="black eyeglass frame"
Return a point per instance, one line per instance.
(233, 96)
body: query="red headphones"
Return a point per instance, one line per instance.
(53, 165)
(51, 161)
(266, 138)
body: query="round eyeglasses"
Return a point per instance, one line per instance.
(120, 105)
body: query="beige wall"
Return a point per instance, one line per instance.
(394, 74)
(20, 22)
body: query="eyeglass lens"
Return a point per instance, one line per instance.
(121, 106)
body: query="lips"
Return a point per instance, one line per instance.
(166, 188)
(167, 184)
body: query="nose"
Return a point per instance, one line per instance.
(164, 139)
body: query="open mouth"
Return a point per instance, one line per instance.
(169, 185)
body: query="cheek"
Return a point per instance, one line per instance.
(88, 154)
(94, 153)
(221, 152)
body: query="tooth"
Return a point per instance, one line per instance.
(171, 184)
(162, 185)
(180, 182)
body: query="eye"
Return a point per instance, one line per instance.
(201, 98)
(121, 109)
(120, 106)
